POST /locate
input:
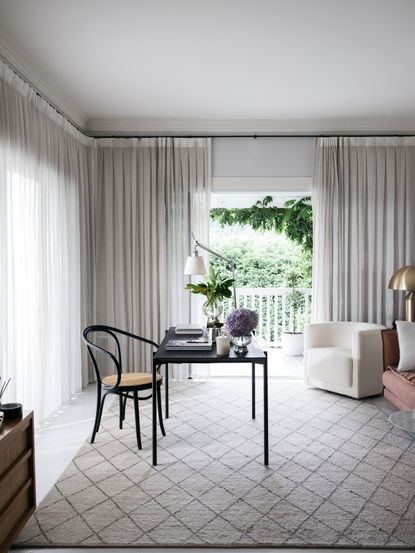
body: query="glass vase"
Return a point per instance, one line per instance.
(241, 343)
(213, 311)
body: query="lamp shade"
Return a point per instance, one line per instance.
(403, 279)
(195, 265)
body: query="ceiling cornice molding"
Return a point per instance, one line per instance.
(219, 126)
(29, 71)
(33, 75)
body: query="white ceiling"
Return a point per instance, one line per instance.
(219, 65)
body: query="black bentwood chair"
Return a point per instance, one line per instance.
(124, 385)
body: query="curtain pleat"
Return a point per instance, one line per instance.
(150, 195)
(363, 210)
(91, 231)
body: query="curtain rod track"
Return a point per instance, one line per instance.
(396, 135)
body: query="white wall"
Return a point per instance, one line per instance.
(262, 157)
(245, 169)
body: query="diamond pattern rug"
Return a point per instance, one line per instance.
(339, 475)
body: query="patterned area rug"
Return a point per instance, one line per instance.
(339, 475)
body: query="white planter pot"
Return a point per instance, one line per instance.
(292, 343)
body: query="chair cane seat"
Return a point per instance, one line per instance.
(130, 379)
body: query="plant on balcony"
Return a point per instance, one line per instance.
(295, 301)
(293, 340)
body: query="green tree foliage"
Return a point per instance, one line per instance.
(263, 259)
(272, 248)
(266, 259)
(295, 219)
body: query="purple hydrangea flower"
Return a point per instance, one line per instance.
(241, 322)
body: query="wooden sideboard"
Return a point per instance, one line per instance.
(17, 478)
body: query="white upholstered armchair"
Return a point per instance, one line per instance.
(344, 357)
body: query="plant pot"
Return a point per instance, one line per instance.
(292, 343)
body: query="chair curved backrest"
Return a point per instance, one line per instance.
(93, 348)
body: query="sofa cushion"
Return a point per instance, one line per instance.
(406, 338)
(402, 385)
(408, 376)
(387, 394)
(331, 365)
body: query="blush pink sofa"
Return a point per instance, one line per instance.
(399, 387)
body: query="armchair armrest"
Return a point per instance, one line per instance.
(367, 355)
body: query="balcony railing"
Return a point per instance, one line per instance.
(275, 316)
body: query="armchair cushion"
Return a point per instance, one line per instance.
(331, 365)
(406, 338)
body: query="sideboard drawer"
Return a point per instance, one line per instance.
(14, 478)
(20, 443)
(19, 507)
(17, 478)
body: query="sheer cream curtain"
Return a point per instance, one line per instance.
(90, 231)
(149, 195)
(42, 161)
(364, 213)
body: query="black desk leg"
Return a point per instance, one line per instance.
(166, 390)
(154, 417)
(266, 447)
(253, 390)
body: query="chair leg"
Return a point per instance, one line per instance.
(124, 407)
(160, 411)
(98, 416)
(137, 420)
(121, 401)
(98, 404)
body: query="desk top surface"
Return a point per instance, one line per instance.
(253, 355)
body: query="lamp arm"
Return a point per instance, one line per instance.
(230, 263)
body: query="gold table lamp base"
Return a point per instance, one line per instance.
(410, 307)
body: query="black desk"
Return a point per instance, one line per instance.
(255, 355)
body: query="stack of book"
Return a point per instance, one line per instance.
(193, 329)
(197, 344)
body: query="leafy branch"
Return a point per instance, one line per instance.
(295, 219)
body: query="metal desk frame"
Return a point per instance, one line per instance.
(255, 356)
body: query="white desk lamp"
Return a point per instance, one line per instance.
(195, 264)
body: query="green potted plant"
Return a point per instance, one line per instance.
(293, 340)
(215, 288)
